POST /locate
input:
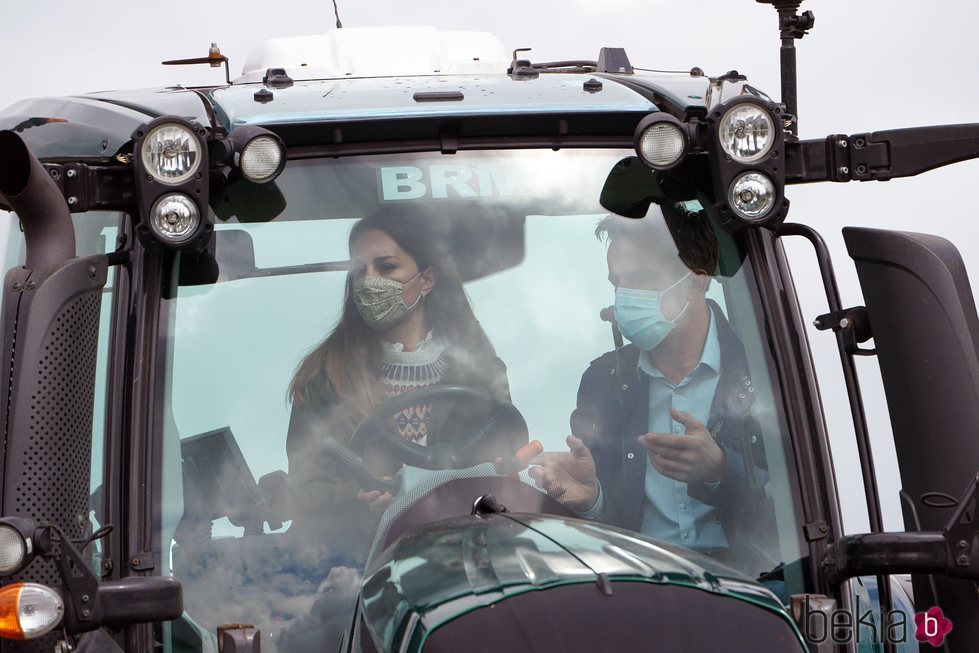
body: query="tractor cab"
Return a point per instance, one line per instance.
(463, 350)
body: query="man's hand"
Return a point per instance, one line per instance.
(568, 476)
(689, 458)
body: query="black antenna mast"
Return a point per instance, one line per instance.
(336, 12)
(791, 26)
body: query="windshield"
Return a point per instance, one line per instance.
(374, 342)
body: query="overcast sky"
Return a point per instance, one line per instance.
(867, 65)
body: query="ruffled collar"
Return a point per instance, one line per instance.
(427, 351)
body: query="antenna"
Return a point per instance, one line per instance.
(792, 26)
(336, 12)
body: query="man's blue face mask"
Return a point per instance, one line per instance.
(639, 315)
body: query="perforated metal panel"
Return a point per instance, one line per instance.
(50, 390)
(58, 453)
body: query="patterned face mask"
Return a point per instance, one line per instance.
(380, 301)
(639, 315)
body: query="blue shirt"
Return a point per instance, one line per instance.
(669, 514)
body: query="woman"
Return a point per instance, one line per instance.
(406, 324)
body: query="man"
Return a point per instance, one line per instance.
(659, 433)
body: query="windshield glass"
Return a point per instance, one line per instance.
(374, 342)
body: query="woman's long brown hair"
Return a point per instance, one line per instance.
(344, 367)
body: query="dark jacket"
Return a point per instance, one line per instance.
(327, 509)
(613, 410)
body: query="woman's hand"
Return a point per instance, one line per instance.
(376, 500)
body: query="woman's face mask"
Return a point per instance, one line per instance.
(380, 301)
(639, 315)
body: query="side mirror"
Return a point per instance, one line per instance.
(953, 552)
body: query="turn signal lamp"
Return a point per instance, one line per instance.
(29, 610)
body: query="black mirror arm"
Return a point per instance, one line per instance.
(80, 586)
(953, 552)
(879, 156)
(89, 604)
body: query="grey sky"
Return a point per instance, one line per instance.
(867, 65)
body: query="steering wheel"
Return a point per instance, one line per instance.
(501, 433)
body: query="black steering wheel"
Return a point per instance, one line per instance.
(500, 434)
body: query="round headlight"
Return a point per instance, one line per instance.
(747, 132)
(261, 159)
(14, 550)
(29, 610)
(171, 153)
(752, 195)
(662, 144)
(174, 218)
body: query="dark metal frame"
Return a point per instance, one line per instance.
(844, 336)
(791, 355)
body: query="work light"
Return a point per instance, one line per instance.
(259, 154)
(16, 544)
(660, 141)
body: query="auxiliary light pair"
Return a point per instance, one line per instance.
(174, 159)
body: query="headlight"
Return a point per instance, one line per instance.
(747, 132)
(660, 141)
(29, 610)
(171, 153)
(174, 218)
(752, 195)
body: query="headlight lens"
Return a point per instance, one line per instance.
(752, 195)
(29, 610)
(171, 153)
(13, 550)
(662, 144)
(747, 132)
(261, 158)
(174, 218)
